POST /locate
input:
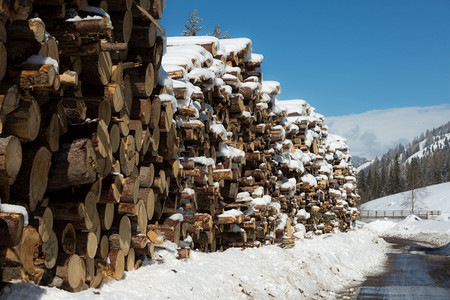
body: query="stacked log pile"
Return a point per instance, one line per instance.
(80, 131)
(262, 169)
(110, 151)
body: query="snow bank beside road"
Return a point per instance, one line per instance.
(314, 268)
(436, 233)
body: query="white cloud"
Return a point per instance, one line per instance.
(372, 133)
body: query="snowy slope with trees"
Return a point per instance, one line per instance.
(435, 197)
(423, 162)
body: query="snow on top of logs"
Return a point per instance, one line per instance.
(261, 201)
(243, 196)
(164, 78)
(218, 129)
(231, 213)
(236, 45)
(336, 142)
(270, 87)
(191, 40)
(228, 151)
(218, 67)
(178, 59)
(199, 75)
(202, 160)
(97, 12)
(252, 85)
(303, 213)
(194, 51)
(42, 60)
(15, 209)
(281, 221)
(170, 68)
(295, 107)
(289, 184)
(197, 55)
(176, 217)
(310, 179)
(183, 84)
(254, 58)
(231, 70)
(188, 191)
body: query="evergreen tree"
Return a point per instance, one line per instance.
(395, 180)
(219, 33)
(193, 24)
(361, 178)
(384, 181)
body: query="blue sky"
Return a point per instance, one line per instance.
(342, 57)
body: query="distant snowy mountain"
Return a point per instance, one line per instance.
(429, 142)
(372, 133)
(364, 166)
(431, 145)
(424, 161)
(358, 161)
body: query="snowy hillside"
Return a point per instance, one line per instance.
(314, 268)
(431, 145)
(436, 197)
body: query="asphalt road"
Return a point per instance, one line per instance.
(413, 272)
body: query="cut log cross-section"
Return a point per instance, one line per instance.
(72, 269)
(24, 122)
(34, 177)
(10, 158)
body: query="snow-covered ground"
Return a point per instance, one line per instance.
(435, 197)
(317, 267)
(314, 268)
(435, 233)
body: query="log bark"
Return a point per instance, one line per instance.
(11, 228)
(117, 263)
(73, 165)
(111, 189)
(26, 253)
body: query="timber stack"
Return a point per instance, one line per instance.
(117, 142)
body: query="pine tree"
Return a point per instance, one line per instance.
(394, 176)
(192, 27)
(219, 33)
(361, 178)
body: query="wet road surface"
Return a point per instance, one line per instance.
(413, 272)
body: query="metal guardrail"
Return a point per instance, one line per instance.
(370, 214)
